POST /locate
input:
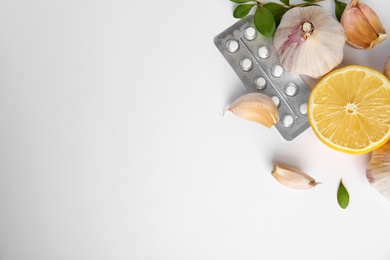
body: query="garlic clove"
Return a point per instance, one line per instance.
(372, 18)
(378, 170)
(292, 178)
(362, 26)
(386, 68)
(309, 41)
(256, 107)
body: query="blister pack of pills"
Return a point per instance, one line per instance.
(255, 60)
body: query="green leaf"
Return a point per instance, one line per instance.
(342, 195)
(277, 11)
(286, 2)
(340, 7)
(264, 21)
(241, 1)
(242, 10)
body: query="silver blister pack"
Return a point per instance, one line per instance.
(255, 60)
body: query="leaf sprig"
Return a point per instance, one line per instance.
(267, 15)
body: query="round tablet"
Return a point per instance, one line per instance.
(250, 33)
(287, 120)
(303, 108)
(232, 45)
(291, 89)
(277, 71)
(246, 64)
(260, 83)
(264, 52)
(276, 101)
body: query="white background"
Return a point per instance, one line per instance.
(113, 144)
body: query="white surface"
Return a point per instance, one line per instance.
(113, 144)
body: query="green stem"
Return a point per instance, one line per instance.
(259, 3)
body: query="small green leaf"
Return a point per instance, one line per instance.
(286, 2)
(264, 21)
(342, 195)
(340, 7)
(277, 11)
(241, 1)
(242, 10)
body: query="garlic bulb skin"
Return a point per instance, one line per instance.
(256, 107)
(378, 170)
(362, 26)
(292, 178)
(309, 41)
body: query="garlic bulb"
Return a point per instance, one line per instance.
(292, 178)
(386, 68)
(309, 41)
(256, 107)
(362, 26)
(378, 170)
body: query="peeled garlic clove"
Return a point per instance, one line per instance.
(386, 68)
(256, 107)
(292, 178)
(378, 170)
(309, 41)
(362, 26)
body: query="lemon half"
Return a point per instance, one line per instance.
(349, 109)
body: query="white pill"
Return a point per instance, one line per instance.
(232, 45)
(264, 52)
(277, 71)
(287, 121)
(303, 108)
(250, 33)
(260, 83)
(291, 89)
(246, 64)
(276, 101)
